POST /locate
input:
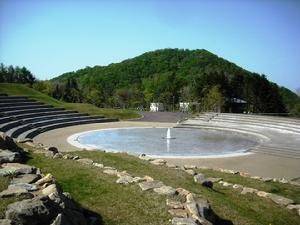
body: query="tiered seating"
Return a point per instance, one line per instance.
(21, 117)
(284, 132)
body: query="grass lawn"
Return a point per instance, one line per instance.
(23, 90)
(118, 204)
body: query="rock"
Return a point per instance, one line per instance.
(237, 186)
(138, 179)
(58, 156)
(178, 213)
(174, 204)
(30, 144)
(192, 209)
(52, 188)
(283, 180)
(147, 185)
(280, 200)
(190, 172)
(165, 190)
(31, 211)
(148, 178)
(256, 177)
(25, 179)
(7, 142)
(85, 161)
(5, 222)
(68, 156)
(113, 172)
(184, 221)
(263, 194)
(7, 156)
(187, 167)
(190, 197)
(15, 192)
(244, 174)
(226, 184)
(52, 149)
(170, 165)
(266, 179)
(109, 168)
(99, 165)
(229, 171)
(76, 157)
(123, 173)
(291, 206)
(16, 168)
(61, 219)
(182, 191)
(158, 162)
(28, 187)
(144, 157)
(46, 179)
(24, 140)
(125, 180)
(214, 180)
(207, 183)
(49, 154)
(199, 178)
(248, 190)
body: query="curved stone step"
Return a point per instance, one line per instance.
(35, 131)
(17, 100)
(26, 111)
(23, 107)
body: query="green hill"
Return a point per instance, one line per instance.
(23, 90)
(173, 75)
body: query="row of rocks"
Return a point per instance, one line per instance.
(193, 210)
(40, 200)
(161, 162)
(208, 182)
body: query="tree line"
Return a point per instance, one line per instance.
(11, 74)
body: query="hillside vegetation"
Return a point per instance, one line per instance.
(174, 75)
(24, 90)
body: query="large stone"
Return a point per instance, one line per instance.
(182, 191)
(199, 178)
(15, 192)
(187, 167)
(46, 179)
(237, 186)
(58, 156)
(158, 162)
(25, 179)
(125, 180)
(52, 149)
(291, 206)
(184, 221)
(68, 156)
(52, 189)
(7, 156)
(280, 200)
(5, 222)
(34, 211)
(16, 168)
(174, 204)
(214, 179)
(28, 187)
(85, 161)
(247, 190)
(165, 190)
(99, 165)
(112, 172)
(178, 213)
(263, 194)
(147, 185)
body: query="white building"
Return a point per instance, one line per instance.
(184, 106)
(156, 107)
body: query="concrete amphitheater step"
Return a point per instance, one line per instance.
(26, 111)
(12, 97)
(35, 131)
(283, 152)
(6, 119)
(4, 127)
(23, 107)
(16, 131)
(3, 94)
(7, 100)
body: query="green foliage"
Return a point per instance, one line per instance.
(16, 74)
(296, 110)
(214, 100)
(169, 75)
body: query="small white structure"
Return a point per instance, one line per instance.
(184, 106)
(156, 107)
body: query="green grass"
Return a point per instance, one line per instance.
(128, 205)
(23, 90)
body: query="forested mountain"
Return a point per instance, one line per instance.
(174, 75)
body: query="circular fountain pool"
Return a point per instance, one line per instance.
(153, 142)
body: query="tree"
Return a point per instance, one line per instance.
(214, 100)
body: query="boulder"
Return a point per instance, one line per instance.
(248, 190)
(148, 178)
(16, 168)
(68, 156)
(112, 172)
(52, 188)
(280, 200)
(148, 185)
(214, 179)
(85, 161)
(174, 204)
(25, 179)
(33, 211)
(158, 162)
(28, 187)
(182, 191)
(7, 156)
(200, 178)
(46, 179)
(58, 156)
(190, 197)
(237, 186)
(138, 179)
(125, 180)
(184, 221)
(178, 213)
(16, 192)
(165, 190)
(99, 165)
(291, 206)
(263, 194)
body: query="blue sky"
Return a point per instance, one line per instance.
(51, 37)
